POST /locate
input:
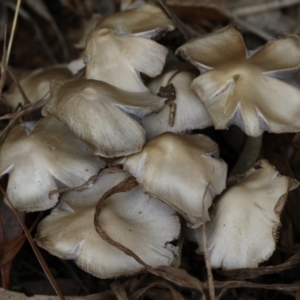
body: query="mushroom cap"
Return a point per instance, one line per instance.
(183, 171)
(246, 88)
(190, 111)
(148, 21)
(39, 155)
(118, 60)
(94, 111)
(35, 85)
(244, 230)
(144, 225)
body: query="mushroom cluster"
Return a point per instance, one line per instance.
(116, 113)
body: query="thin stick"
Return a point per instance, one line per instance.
(210, 279)
(13, 30)
(263, 7)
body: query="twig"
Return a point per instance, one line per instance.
(23, 14)
(210, 278)
(259, 8)
(13, 30)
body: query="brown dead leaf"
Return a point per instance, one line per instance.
(8, 250)
(11, 241)
(35, 247)
(200, 9)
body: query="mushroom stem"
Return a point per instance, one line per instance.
(248, 156)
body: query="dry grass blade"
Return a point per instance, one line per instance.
(118, 290)
(289, 287)
(251, 273)
(3, 66)
(162, 284)
(11, 38)
(38, 31)
(35, 249)
(178, 276)
(263, 7)
(206, 255)
(40, 8)
(188, 34)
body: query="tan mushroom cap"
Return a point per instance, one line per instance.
(94, 111)
(36, 155)
(147, 21)
(244, 230)
(118, 60)
(183, 171)
(35, 85)
(190, 111)
(243, 88)
(133, 219)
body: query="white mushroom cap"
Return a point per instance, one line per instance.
(147, 21)
(36, 155)
(190, 111)
(243, 88)
(93, 110)
(35, 85)
(144, 225)
(244, 230)
(118, 60)
(183, 171)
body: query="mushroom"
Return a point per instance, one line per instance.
(35, 85)
(38, 156)
(183, 171)
(119, 60)
(144, 225)
(244, 87)
(189, 114)
(97, 113)
(147, 21)
(244, 230)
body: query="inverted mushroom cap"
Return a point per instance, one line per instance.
(190, 111)
(144, 225)
(35, 85)
(93, 110)
(183, 171)
(118, 60)
(245, 88)
(244, 230)
(147, 21)
(36, 155)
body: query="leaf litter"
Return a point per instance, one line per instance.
(177, 281)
